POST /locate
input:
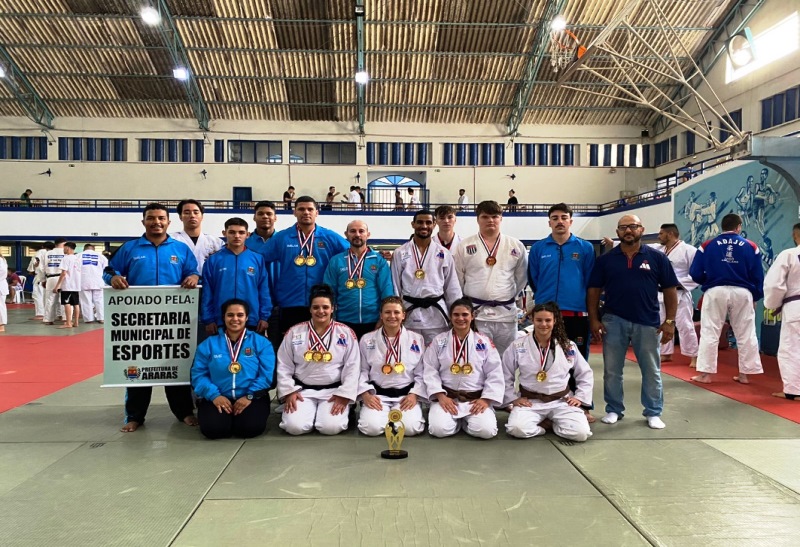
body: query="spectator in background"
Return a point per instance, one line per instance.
(463, 200)
(511, 204)
(69, 285)
(413, 201)
(3, 293)
(688, 172)
(93, 264)
(354, 198)
(288, 197)
(362, 197)
(399, 205)
(332, 193)
(14, 285)
(25, 198)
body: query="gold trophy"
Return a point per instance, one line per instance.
(395, 430)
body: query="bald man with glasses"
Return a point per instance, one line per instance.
(632, 275)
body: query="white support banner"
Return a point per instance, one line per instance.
(150, 335)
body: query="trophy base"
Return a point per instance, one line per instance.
(394, 454)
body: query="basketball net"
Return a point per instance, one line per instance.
(565, 48)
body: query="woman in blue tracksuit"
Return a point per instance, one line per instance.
(231, 375)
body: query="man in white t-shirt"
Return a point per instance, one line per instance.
(69, 283)
(354, 198)
(91, 297)
(413, 201)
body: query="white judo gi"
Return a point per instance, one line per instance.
(3, 291)
(681, 256)
(206, 246)
(36, 268)
(486, 377)
(373, 358)
(314, 411)
(782, 283)
(568, 421)
(440, 280)
(91, 296)
(499, 284)
(52, 271)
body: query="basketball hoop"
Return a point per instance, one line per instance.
(564, 49)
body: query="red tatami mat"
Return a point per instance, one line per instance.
(757, 393)
(35, 366)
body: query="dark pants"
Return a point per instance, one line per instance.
(361, 328)
(137, 400)
(578, 331)
(252, 422)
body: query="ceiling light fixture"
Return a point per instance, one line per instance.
(180, 73)
(2, 72)
(558, 23)
(150, 16)
(362, 77)
(740, 48)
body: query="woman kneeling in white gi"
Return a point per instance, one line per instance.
(391, 373)
(464, 376)
(544, 360)
(318, 364)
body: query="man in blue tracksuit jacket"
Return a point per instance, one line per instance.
(235, 272)
(359, 285)
(302, 262)
(154, 259)
(559, 267)
(729, 269)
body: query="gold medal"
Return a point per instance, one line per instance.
(349, 284)
(234, 367)
(308, 355)
(466, 369)
(311, 261)
(542, 376)
(386, 369)
(361, 283)
(399, 368)
(455, 368)
(419, 274)
(317, 356)
(327, 357)
(491, 261)
(300, 260)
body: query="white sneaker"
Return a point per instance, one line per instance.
(655, 422)
(610, 418)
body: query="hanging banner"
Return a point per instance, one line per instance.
(150, 335)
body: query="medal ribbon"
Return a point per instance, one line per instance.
(420, 260)
(460, 349)
(392, 347)
(233, 351)
(543, 355)
(493, 252)
(317, 342)
(354, 272)
(306, 242)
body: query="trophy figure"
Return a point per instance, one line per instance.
(395, 430)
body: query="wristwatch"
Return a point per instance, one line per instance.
(249, 396)
(669, 322)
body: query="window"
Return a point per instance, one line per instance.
(172, 150)
(474, 153)
(769, 46)
(780, 108)
(92, 149)
(331, 153)
(398, 153)
(23, 148)
(253, 151)
(616, 155)
(734, 119)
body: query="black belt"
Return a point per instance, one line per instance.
(425, 303)
(393, 391)
(51, 275)
(786, 301)
(309, 386)
(491, 303)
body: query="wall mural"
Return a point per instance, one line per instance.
(760, 195)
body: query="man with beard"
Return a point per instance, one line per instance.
(360, 279)
(301, 253)
(265, 217)
(425, 278)
(631, 275)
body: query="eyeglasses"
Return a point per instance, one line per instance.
(631, 227)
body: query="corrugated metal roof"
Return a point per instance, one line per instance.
(434, 61)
